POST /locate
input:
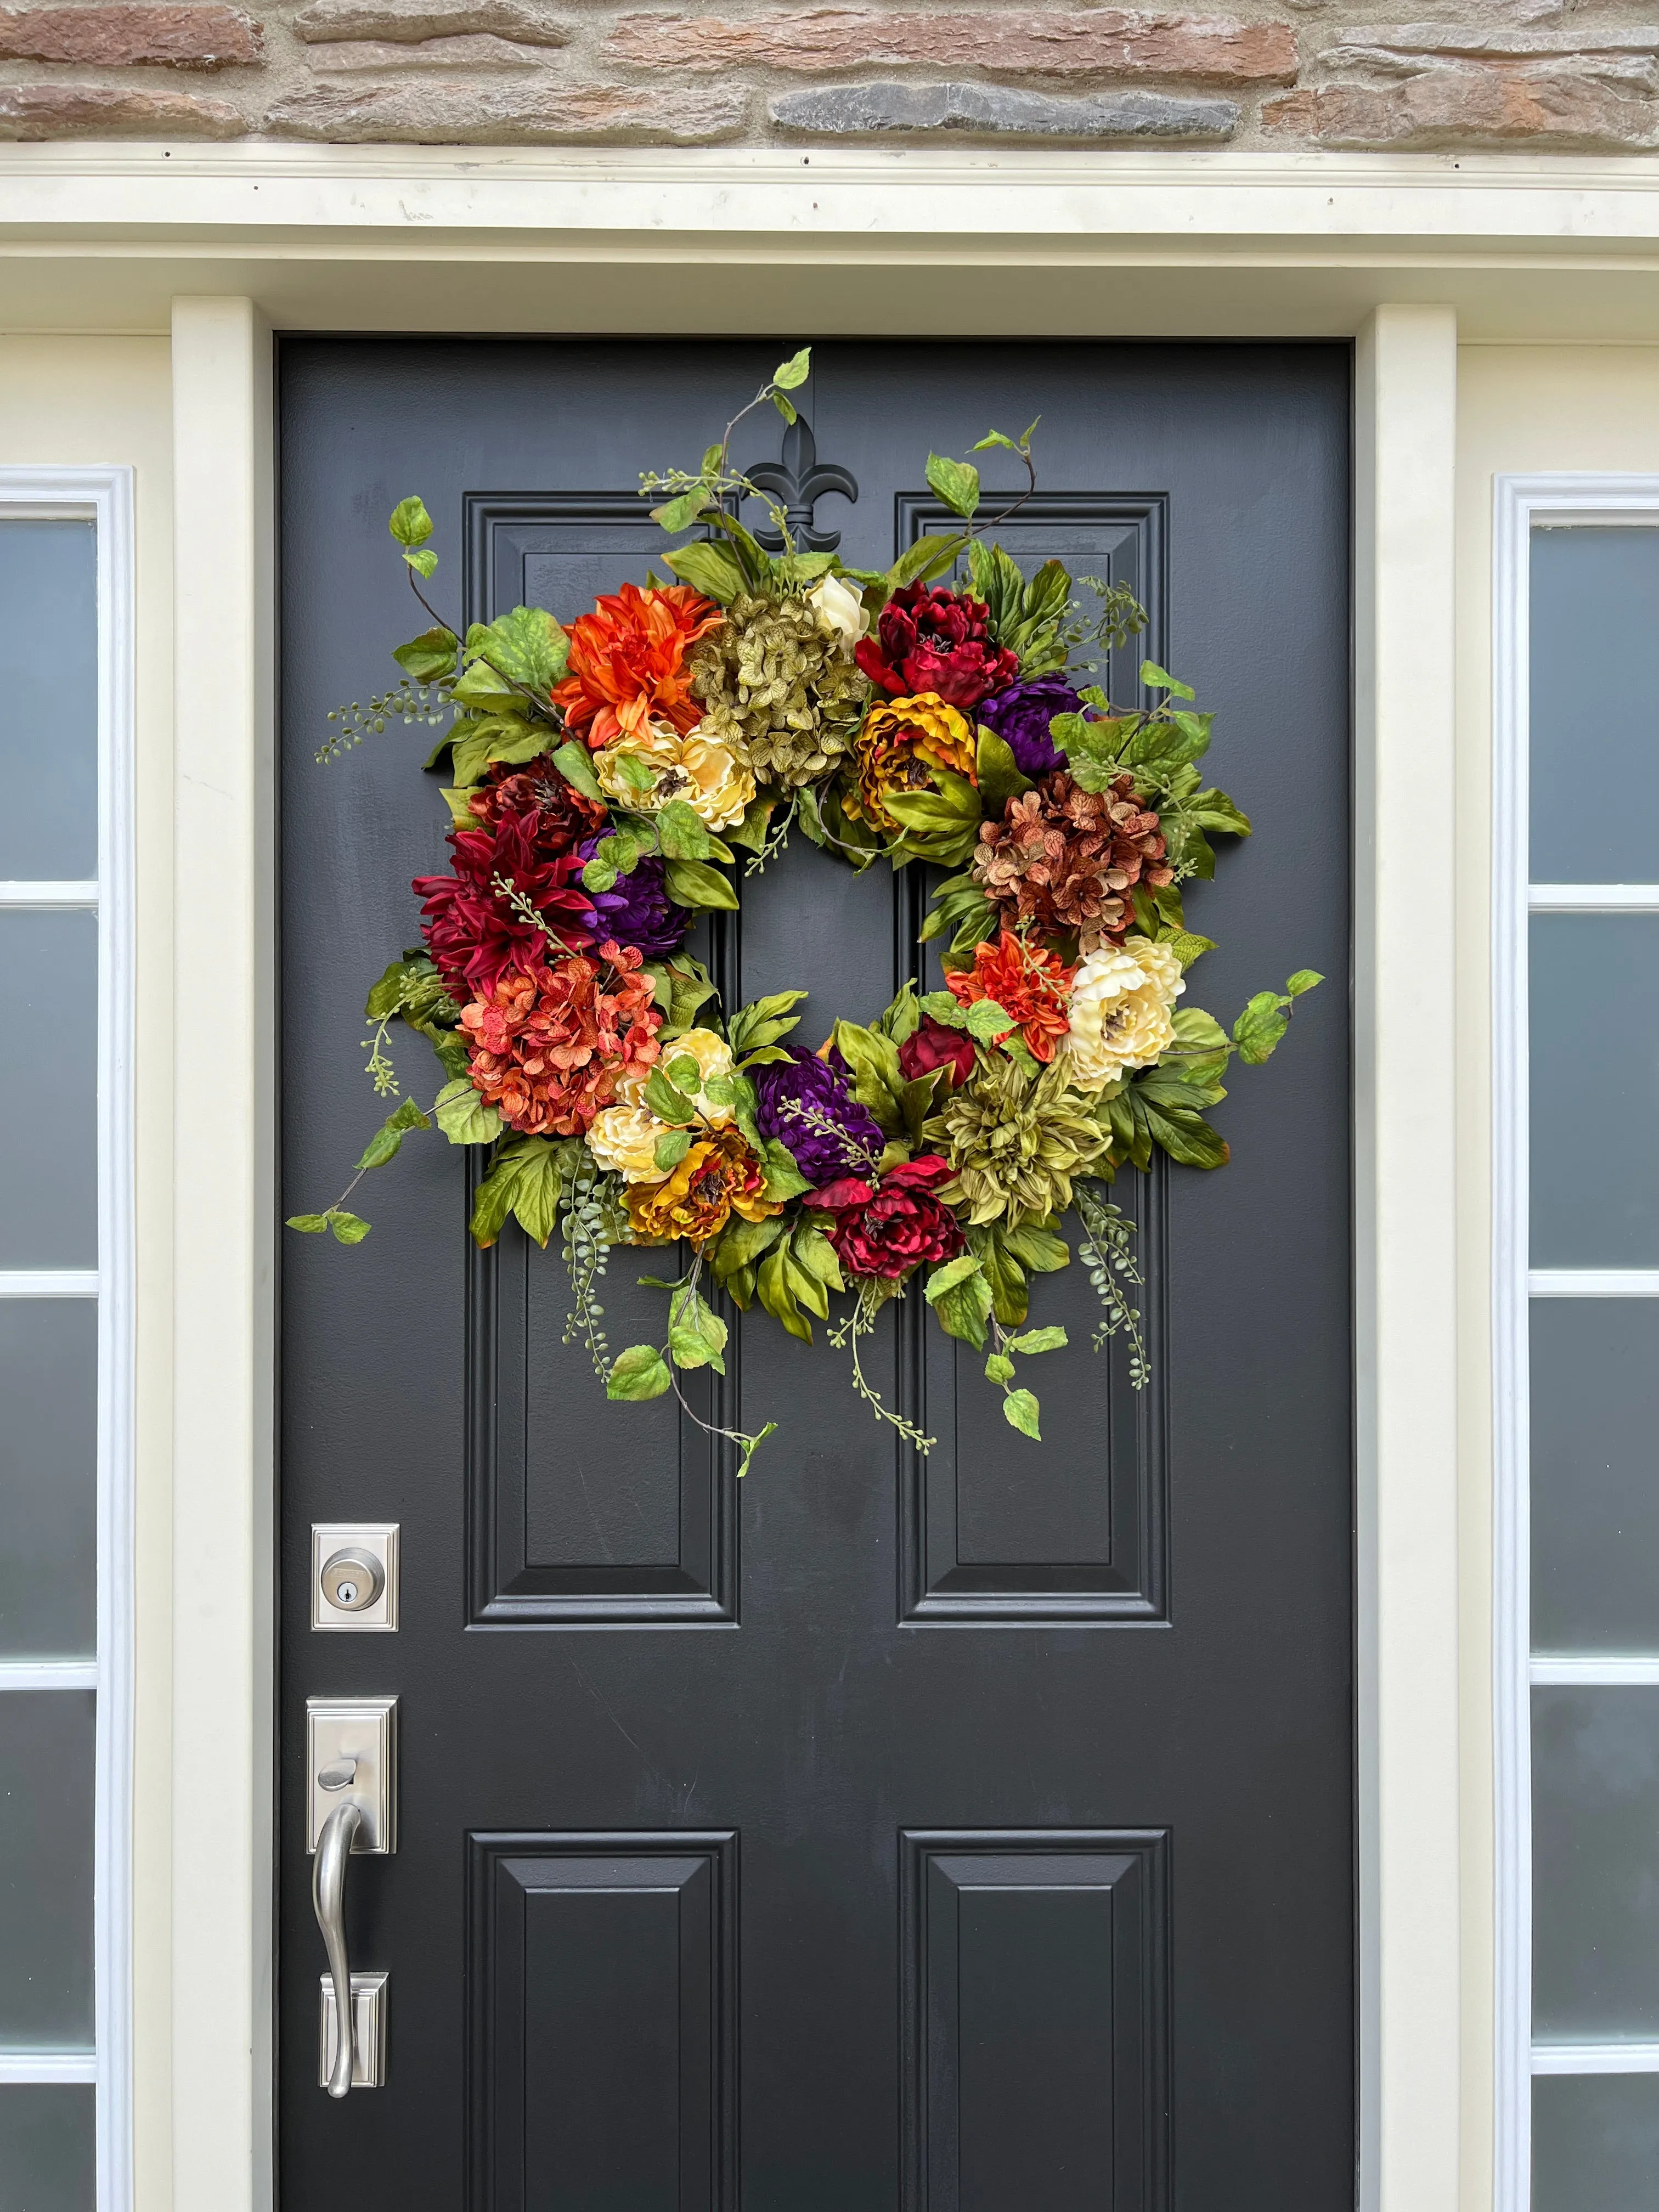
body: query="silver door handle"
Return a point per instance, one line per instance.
(328, 1874)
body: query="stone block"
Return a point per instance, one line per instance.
(205, 37)
(480, 51)
(1091, 42)
(412, 22)
(36, 111)
(450, 114)
(1570, 102)
(992, 111)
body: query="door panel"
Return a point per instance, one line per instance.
(962, 1831)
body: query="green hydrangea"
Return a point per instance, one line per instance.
(777, 684)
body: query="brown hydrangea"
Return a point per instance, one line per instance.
(778, 685)
(1062, 860)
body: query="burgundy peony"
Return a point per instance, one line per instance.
(472, 931)
(933, 639)
(933, 1046)
(1020, 716)
(637, 909)
(807, 1104)
(554, 814)
(895, 1226)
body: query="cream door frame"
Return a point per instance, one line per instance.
(220, 246)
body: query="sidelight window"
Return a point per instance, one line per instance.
(64, 1337)
(1577, 1205)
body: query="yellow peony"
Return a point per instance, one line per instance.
(707, 775)
(901, 744)
(1122, 1001)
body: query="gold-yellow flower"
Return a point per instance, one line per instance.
(899, 747)
(717, 1177)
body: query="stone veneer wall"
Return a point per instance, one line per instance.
(1284, 73)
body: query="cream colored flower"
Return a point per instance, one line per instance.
(1122, 1001)
(623, 1137)
(840, 605)
(710, 777)
(624, 1140)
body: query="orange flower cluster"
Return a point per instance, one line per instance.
(627, 664)
(1034, 986)
(550, 1045)
(717, 1177)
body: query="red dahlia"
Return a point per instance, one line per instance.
(473, 928)
(555, 815)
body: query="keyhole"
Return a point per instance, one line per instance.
(346, 1593)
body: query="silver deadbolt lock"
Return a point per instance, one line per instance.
(352, 1579)
(353, 1575)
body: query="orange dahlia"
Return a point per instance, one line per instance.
(717, 1177)
(1034, 986)
(628, 663)
(550, 1044)
(899, 747)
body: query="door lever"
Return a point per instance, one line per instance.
(328, 1875)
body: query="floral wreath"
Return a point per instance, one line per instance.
(599, 778)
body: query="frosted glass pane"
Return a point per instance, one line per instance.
(1595, 1475)
(47, 2148)
(49, 703)
(45, 1870)
(1595, 2142)
(1594, 994)
(1595, 705)
(1595, 1863)
(48, 1478)
(48, 1090)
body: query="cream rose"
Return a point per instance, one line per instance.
(839, 606)
(1122, 1001)
(624, 1138)
(714, 1057)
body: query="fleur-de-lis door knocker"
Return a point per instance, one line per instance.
(800, 480)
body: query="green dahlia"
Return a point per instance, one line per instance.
(1016, 1141)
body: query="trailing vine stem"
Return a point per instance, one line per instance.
(861, 1321)
(1108, 1254)
(586, 1249)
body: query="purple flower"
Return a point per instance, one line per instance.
(637, 909)
(1020, 716)
(809, 1105)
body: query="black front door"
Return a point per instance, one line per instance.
(970, 1834)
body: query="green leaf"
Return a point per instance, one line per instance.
(1186, 947)
(537, 1188)
(786, 407)
(486, 688)
(349, 1228)
(683, 987)
(1020, 1410)
(778, 1297)
(697, 1334)
(670, 1149)
(684, 1072)
(998, 1368)
(709, 567)
(411, 524)
(388, 1139)
(1213, 810)
(957, 483)
(680, 513)
(308, 1224)
(463, 1116)
(1260, 1027)
(1038, 1248)
(784, 1179)
(682, 832)
(986, 1021)
(1304, 980)
(638, 1373)
(752, 1445)
(575, 764)
(1000, 778)
(1159, 679)
(1039, 1339)
(666, 1102)
(527, 645)
(763, 1021)
(877, 1081)
(926, 558)
(812, 1250)
(751, 831)
(795, 372)
(993, 438)
(428, 657)
(961, 1297)
(425, 561)
(694, 884)
(1009, 1294)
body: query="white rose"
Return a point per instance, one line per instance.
(839, 605)
(1122, 999)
